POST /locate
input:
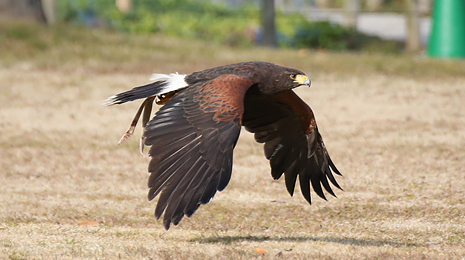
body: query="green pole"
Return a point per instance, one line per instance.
(448, 32)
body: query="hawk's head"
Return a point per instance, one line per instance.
(281, 79)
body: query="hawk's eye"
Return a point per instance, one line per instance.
(293, 76)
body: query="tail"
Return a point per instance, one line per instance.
(162, 84)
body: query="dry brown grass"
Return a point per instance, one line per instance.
(397, 136)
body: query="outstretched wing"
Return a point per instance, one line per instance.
(293, 144)
(192, 137)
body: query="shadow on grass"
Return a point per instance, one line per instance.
(344, 241)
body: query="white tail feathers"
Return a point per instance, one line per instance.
(175, 81)
(156, 76)
(161, 84)
(109, 101)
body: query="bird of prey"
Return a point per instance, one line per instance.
(193, 134)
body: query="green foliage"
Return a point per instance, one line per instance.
(181, 18)
(326, 35)
(204, 20)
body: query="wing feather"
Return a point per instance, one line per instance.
(192, 138)
(173, 192)
(290, 177)
(293, 144)
(304, 181)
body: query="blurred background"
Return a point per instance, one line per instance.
(382, 25)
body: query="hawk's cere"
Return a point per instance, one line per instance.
(193, 135)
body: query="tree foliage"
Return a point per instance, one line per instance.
(238, 26)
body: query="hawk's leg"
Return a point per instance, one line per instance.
(147, 105)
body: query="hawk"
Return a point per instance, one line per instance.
(193, 135)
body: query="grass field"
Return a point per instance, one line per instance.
(394, 126)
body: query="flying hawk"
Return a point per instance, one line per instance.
(193, 135)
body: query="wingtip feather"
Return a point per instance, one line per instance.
(333, 167)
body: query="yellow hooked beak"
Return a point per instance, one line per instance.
(302, 79)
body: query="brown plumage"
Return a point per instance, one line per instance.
(193, 135)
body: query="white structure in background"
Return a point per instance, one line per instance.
(391, 26)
